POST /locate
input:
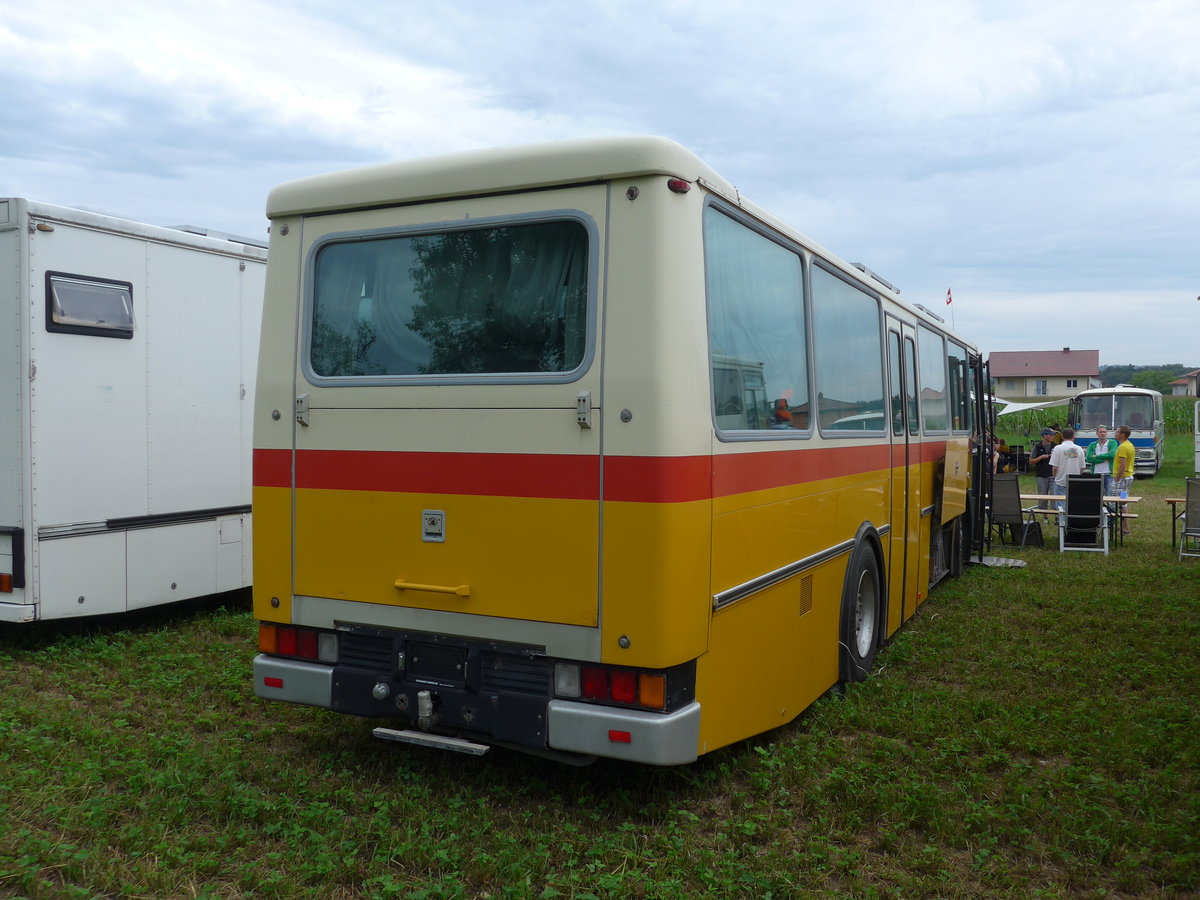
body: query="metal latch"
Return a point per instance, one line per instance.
(583, 409)
(302, 409)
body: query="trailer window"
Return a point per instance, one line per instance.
(78, 304)
(479, 301)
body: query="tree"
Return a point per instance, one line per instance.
(1155, 379)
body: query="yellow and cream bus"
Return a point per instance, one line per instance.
(571, 448)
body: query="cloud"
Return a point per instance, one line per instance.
(1009, 149)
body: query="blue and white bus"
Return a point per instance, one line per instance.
(1139, 408)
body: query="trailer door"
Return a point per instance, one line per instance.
(447, 440)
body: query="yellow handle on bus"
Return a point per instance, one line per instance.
(463, 590)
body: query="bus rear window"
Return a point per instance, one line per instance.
(481, 301)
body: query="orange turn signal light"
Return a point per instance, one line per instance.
(268, 638)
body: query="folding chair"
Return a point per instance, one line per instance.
(1083, 524)
(1189, 544)
(1007, 513)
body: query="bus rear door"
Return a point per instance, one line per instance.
(446, 435)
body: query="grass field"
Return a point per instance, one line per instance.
(1031, 733)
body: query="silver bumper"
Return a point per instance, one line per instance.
(661, 740)
(293, 681)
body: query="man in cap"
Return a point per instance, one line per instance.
(1041, 460)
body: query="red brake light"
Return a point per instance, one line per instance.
(624, 686)
(306, 644)
(287, 641)
(595, 683)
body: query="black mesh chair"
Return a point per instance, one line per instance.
(1189, 544)
(1007, 515)
(1083, 524)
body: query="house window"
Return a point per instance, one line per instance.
(1040, 389)
(1072, 382)
(1010, 384)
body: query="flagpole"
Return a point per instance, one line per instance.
(950, 303)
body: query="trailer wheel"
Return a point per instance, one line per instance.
(860, 614)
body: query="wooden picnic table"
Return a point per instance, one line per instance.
(1174, 515)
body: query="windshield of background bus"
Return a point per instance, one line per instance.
(1134, 410)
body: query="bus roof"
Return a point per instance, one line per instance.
(534, 166)
(1119, 389)
(494, 171)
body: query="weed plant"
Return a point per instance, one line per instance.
(1032, 733)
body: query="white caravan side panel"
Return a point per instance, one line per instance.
(14, 531)
(137, 450)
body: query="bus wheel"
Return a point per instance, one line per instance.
(860, 614)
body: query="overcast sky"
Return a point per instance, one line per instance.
(1041, 159)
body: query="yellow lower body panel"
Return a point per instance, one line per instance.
(770, 656)
(521, 558)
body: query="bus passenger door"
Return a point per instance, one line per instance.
(904, 539)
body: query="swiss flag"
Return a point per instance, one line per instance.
(949, 299)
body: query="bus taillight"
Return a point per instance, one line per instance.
(301, 643)
(608, 684)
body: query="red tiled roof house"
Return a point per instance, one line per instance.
(1187, 386)
(1041, 374)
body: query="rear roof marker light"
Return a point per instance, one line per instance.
(678, 185)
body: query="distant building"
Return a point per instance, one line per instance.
(1044, 374)
(1187, 386)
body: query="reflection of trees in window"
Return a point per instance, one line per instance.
(335, 353)
(501, 299)
(474, 301)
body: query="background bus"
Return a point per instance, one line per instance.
(573, 449)
(1139, 408)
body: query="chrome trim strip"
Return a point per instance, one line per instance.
(928, 510)
(762, 582)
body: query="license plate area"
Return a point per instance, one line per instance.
(437, 664)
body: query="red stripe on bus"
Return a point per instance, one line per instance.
(634, 479)
(273, 468)
(481, 474)
(657, 479)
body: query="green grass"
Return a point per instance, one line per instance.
(1030, 733)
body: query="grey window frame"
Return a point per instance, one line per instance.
(881, 355)
(923, 329)
(756, 434)
(549, 215)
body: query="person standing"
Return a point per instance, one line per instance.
(1123, 466)
(1066, 460)
(1041, 465)
(1099, 457)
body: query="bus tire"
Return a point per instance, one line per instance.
(860, 623)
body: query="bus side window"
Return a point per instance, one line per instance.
(756, 328)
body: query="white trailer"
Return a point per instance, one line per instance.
(127, 363)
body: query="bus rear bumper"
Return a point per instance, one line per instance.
(659, 739)
(293, 681)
